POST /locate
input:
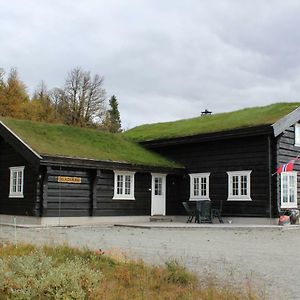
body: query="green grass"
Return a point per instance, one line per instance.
(63, 140)
(62, 272)
(248, 117)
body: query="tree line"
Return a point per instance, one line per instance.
(80, 101)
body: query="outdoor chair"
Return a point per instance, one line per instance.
(216, 213)
(191, 212)
(204, 211)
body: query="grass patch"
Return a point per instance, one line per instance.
(69, 141)
(29, 272)
(248, 117)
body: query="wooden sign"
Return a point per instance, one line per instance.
(65, 179)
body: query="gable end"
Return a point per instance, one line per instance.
(17, 143)
(287, 121)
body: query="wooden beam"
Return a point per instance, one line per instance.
(104, 165)
(94, 184)
(45, 192)
(287, 121)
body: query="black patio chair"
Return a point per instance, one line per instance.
(216, 213)
(204, 211)
(191, 212)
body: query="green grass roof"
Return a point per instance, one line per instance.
(248, 117)
(68, 141)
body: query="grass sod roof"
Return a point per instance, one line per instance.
(76, 142)
(248, 117)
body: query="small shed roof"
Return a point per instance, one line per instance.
(59, 140)
(220, 122)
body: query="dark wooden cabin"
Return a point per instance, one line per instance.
(231, 158)
(58, 171)
(54, 172)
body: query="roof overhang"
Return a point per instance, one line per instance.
(222, 135)
(287, 121)
(57, 161)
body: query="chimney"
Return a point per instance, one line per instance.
(206, 113)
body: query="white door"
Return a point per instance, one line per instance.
(158, 194)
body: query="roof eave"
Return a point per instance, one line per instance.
(105, 165)
(221, 135)
(285, 122)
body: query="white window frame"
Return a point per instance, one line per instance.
(19, 171)
(123, 196)
(239, 196)
(297, 135)
(199, 197)
(288, 204)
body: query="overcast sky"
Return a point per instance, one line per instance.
(164, 60)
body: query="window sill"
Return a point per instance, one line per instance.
(239, 199)
(199, 199)
(123, 198)
(16, 196)
(289, 206)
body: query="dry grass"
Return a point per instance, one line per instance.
(117, 278)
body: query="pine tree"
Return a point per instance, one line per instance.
(112, 120)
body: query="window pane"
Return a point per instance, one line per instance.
(235, 185)
(127, 184)
(14, 183)
(244, 185)
(120, 184)
(284, 188)
(196, 186)
(158, 186)
(20, 179)
(291, 188)
(203, 186)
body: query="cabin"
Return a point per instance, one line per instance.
(231, 159)
(54, 174)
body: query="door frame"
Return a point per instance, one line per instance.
(164, 191)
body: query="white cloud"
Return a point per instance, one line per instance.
(163, 60)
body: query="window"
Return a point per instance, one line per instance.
(199, 186)
(239, 185)
(289, 190)
(158, 186)
(16, 182)
(124, 185)
(297, 135)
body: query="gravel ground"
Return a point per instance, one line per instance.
(265, 258)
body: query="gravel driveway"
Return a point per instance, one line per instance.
(264, 257)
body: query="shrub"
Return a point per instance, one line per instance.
(36, 276)
(178, 274)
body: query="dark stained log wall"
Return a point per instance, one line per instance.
(176, 191)
(106, 206)
(17, 206)
(286, 151)
(67, 199)
(218, 157)
(94, 195)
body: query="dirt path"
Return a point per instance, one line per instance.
(267, 258)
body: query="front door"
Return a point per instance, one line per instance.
(158, 195)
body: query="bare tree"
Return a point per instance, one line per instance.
(83, 95)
